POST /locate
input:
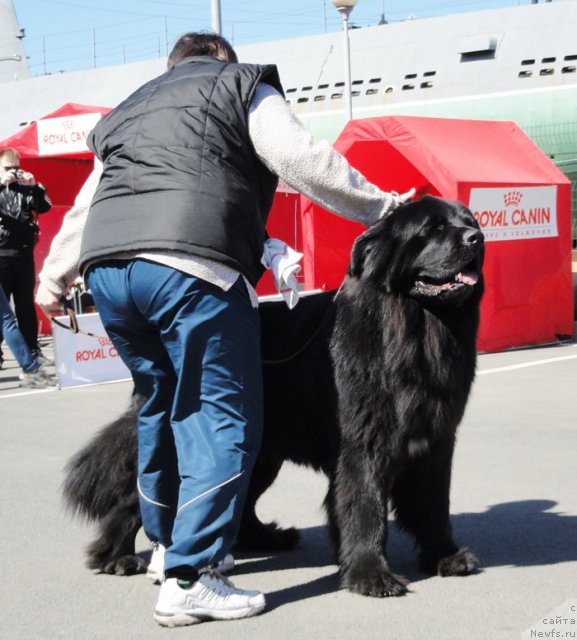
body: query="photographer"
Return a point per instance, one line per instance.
(21, 199)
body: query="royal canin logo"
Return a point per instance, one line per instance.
(512, 198)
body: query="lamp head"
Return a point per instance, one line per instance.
(344, 4)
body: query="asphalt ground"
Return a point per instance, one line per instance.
(514, 503)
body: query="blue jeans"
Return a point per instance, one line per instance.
(194, 353)
(18, 278)
(14, 338)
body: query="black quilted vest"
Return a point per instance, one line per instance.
(180, 172)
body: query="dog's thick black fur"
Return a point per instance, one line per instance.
(367, 387)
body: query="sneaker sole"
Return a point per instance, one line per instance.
(204, 615)
(37, 386)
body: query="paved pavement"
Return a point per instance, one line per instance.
(514, 503)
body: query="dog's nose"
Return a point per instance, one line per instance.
(472, 237)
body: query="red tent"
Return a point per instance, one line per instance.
(521, 200)
(54, 150)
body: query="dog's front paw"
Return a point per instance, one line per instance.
(128, 565)
(378, 585)
(461, 563)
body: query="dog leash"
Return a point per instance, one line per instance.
(73, 320)
(298, 351)
(73, 327)
(307, 343)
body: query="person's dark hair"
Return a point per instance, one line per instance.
(201, 44)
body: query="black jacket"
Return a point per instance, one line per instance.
(180, 172)
(18, 229)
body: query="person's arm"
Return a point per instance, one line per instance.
(61, 265)
(310, 166)
(41, 203)
(38, 200)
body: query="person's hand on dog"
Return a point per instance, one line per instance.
(395, 200)
(401, 198)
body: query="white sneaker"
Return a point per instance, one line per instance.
(37, 380)
(211, 597)
(155, 571)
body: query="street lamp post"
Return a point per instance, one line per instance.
(344, 7)
(215, 17)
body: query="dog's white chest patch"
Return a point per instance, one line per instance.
(417, 447)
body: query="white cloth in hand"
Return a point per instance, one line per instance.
(283, 261)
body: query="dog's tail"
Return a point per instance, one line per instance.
(100, 475)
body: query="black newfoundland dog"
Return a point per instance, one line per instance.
(367, 385)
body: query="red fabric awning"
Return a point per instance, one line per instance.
(520, 198)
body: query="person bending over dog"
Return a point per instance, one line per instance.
(171, 250)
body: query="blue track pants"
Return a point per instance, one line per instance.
(194, 353)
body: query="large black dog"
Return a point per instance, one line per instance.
(367, 386)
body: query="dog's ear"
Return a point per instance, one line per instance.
(361, 249)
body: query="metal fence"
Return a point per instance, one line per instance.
(559, 142)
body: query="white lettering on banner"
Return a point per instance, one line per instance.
(515, 213)
(65, 135)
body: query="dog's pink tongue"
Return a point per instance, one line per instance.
(468, 277)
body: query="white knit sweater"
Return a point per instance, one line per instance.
(312, 167)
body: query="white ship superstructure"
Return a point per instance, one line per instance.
(518, 63)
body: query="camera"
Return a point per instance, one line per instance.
(18, 174)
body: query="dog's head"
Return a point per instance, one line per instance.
(430, 249)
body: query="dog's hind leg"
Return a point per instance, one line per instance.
(420, 497)
(253, 534)
(113, 551)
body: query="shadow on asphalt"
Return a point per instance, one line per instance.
(523, 533)
(314, 550)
